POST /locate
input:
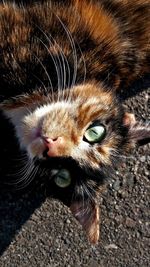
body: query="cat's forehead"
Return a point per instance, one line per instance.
(54, 107)
(94, 94)
(95, 103)
(82, 105)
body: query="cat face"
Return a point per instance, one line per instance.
(76, 137)
(65, 127)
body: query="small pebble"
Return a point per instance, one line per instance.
(130, 223)
(143, 159)
(116, 185)
(111, 246)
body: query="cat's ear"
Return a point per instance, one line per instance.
(138, 132)
(13, 111)
(87, 214)
(16, 107)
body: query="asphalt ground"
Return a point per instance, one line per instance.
(35, 231)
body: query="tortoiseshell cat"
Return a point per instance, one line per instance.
(61, 64)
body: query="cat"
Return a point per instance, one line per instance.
(62, 64)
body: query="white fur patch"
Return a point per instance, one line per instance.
(43, 110)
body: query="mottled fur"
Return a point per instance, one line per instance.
(61, 63)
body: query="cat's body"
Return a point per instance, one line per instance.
(106, 41)
(62, 62)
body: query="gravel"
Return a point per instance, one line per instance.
(35, 231)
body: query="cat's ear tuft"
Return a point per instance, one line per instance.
(87, 214)
(138, 132)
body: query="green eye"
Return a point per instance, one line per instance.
(95, 134)
(62, 178)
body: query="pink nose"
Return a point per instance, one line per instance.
(53, 145)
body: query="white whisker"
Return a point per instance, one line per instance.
(49, 79)
(72, 43)
(57, 66)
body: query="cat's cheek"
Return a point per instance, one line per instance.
(83, 153)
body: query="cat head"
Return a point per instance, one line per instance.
(76, 136)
